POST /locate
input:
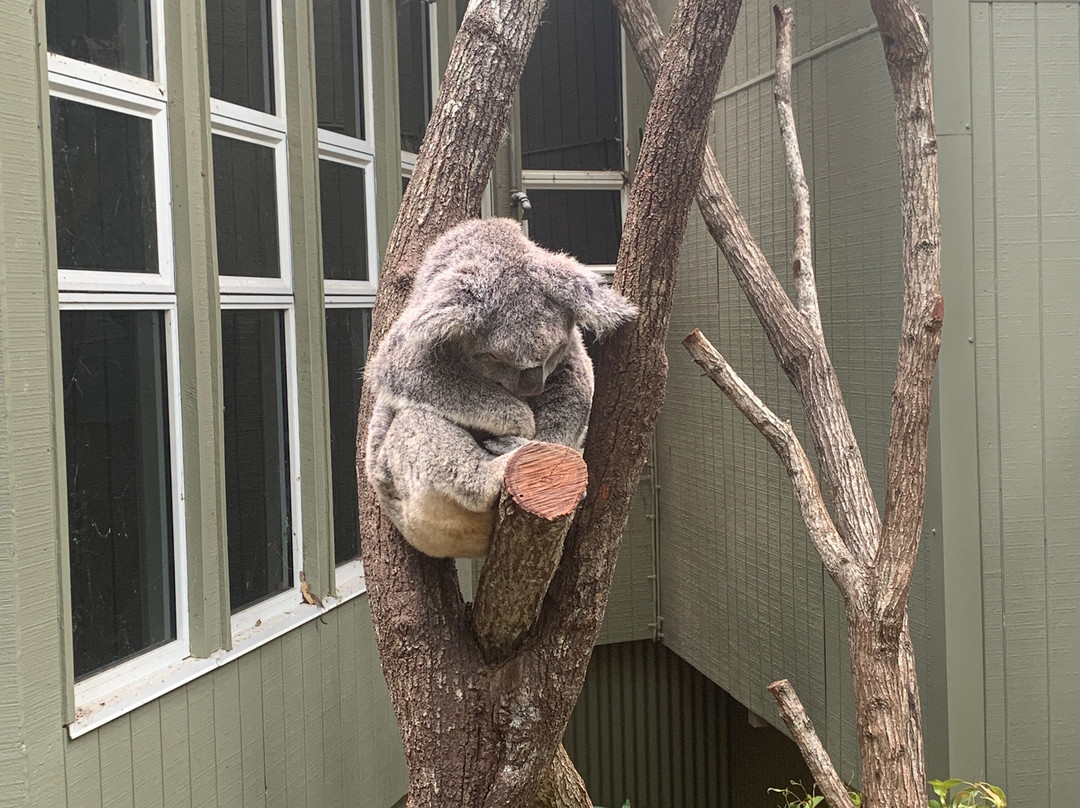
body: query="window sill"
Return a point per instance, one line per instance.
(129, 696)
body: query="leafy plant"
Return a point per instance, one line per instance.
(950, 794)
(796, 795)
(966, 795)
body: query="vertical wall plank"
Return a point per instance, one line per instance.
(252, 733)
(1020, 421)
(146, 757)
(114, 759)
(83, 771)
(227, 735)
(311, 717)
(983, 193)
(175, 750)
(1058, 71)
(275, 725)
(201, 748)
(292, 679)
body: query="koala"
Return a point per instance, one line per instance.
(487, 356)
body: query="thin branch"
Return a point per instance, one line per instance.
(542, 486)
(802, 266)
(813, 752)
(834, 553)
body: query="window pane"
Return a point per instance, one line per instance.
(344, 221)
(338, 66)
(414, 72)
(111, 33)
(103, 179)
(347, 333)
(586, 224)
(245, 205)
(240, 56)
(571, 99)
(256, 455)
(116, 434)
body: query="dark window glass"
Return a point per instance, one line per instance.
(571, 99)
(116, 434)
(414, 72)
(347, 333)
(111, 33)
(245, 206)
(586, 224)
(256, 455)
(339, 77)
(344, 217)
(103, 178)
(240, 55)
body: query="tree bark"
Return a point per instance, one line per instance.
(478, 733)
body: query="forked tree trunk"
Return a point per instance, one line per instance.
(484, 731)
(870, 557)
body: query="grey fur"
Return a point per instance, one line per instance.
(493, 320)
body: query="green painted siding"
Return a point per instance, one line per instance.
(31, 615)
(1025, 99)
(743, 595)
(302, 721)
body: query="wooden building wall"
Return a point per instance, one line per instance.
(1025, 116)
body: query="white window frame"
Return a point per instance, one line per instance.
(152, 108)
(549, 180)
(101, 290)
(590, 180)
(250, 132)
(340, 294)
(245, 292)
(408, 159)
(247, 618)
(349, 575)
(97, 685)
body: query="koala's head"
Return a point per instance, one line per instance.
(506, 307)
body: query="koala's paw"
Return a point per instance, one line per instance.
(503, 445)
(516, 421)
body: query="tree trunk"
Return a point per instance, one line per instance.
(479, 733)
(870, 558)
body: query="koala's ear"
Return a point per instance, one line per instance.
(449, 308)
(593, 305)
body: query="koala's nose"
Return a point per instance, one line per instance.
(531, 382)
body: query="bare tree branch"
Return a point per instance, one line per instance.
(802, 266)
(543, 485)
(799, 348)
(834, 553)
(906, 40)
(885, 682)
(813, 752)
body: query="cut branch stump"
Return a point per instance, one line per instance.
(542, 487)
